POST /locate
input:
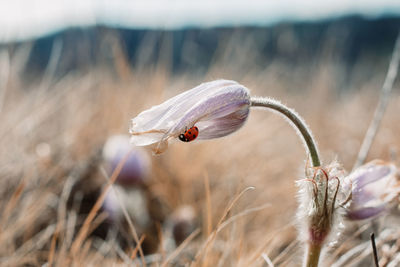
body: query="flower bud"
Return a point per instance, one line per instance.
(137, 164)
(373, 187)
(216, 108)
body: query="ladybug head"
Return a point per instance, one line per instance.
(182, 138)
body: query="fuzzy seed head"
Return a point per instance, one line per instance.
(321, 194)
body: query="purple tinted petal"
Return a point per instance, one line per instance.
(173, 108)
(134, 170)
(137, 163)
(360, 197)
(231, 99)
(222, 126)
(171, 117)
(365, 213)
(371, 182)
(370, 174)
(374, 186)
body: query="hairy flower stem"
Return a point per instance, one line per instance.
(314, 245)
(312, 254)
(295, 118)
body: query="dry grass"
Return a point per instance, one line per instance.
(50, 168)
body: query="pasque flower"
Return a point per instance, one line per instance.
(136, 167)
(216, 108)
(373, 187)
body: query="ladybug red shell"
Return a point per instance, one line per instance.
(189, 135)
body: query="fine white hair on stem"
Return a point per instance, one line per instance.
(295, 120)
(380, 109)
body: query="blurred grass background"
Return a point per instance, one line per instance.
(63, 95)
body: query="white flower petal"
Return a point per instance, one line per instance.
(164, 115)
(217, 108)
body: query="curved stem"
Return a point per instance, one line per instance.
(295, 118)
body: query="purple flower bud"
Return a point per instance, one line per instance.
(373, 187)
(136, 168)
(217, 108)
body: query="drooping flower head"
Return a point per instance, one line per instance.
(373, 187)
(216, 108)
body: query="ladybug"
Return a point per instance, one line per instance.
(189, 135)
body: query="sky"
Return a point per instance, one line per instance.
(27, 19)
